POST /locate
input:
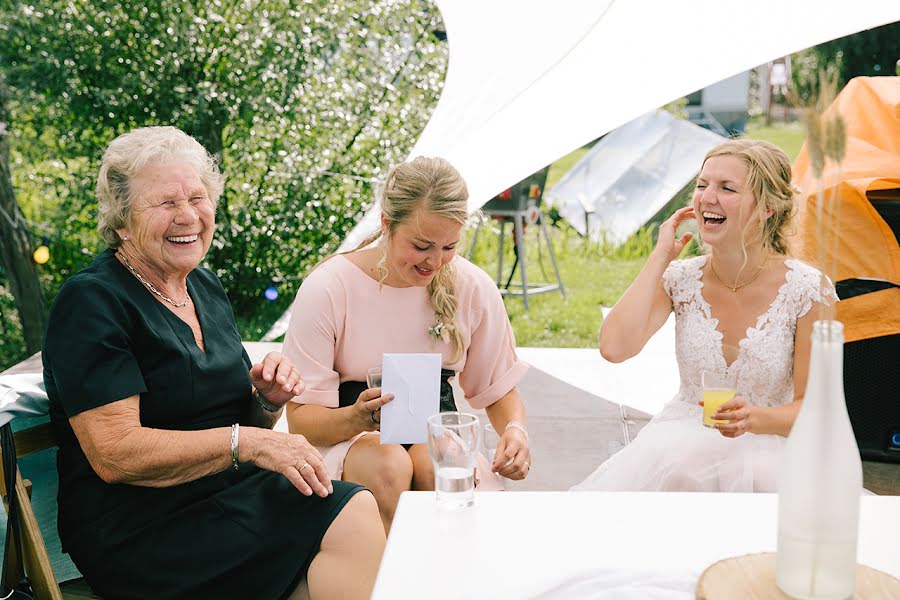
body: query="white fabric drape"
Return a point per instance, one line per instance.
(529, 80)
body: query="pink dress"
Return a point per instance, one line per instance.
(342, 321)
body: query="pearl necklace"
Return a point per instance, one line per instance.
(152, 288)
(735, 288)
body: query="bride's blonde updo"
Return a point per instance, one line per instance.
(769, 179)
(430, 184)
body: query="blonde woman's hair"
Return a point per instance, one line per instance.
(131, 152)
(769, 179)
(430, 184)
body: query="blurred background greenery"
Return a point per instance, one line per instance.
(305, 104)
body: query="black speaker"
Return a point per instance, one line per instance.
(872, 391)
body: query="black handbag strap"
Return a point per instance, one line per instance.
(10, 470)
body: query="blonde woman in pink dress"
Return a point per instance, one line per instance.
(408, 293)
(747, 294)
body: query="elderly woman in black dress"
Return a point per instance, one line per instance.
(172, 482)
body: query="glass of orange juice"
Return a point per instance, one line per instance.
(718, 388)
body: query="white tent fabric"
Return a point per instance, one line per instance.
(629, 175)
(529, 80)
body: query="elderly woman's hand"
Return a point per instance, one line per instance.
(276, 379)
(289, 454)
(737, 414)
(512, 459)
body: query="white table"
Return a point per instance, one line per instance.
(517, 544)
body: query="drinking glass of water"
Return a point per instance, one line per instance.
(453, 442)
(373, 377)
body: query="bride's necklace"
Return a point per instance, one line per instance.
(152, 288)
(735, 288)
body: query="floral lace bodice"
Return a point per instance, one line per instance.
(766, 354)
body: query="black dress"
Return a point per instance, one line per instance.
(245, 533)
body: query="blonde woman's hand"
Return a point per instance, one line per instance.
(737, 414)
(667, 244)
(367, 409)
(512, 459)
(289, 454)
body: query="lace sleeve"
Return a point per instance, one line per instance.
(680, 279)
(809, 286)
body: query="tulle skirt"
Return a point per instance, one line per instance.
(675, 452)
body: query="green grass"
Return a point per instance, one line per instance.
(789, 136)
(592, 274)
(554, 322)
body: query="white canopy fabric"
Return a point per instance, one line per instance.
(629, 175)
(529, 80)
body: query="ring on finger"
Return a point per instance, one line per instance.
(300, 470)
(374, 420)
(526, 465)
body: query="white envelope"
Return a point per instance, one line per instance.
(415, 382)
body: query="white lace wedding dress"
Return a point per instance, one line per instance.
(674, 451)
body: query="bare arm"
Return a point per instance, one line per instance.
(324, 426)
(508, 408)
(512, 458)
(121, 450)
(644, 306)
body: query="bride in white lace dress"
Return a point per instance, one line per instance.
(745, 294)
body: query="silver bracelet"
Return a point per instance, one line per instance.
(265, 404)
(235, 432)
(520, 427)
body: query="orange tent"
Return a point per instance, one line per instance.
(868, 188)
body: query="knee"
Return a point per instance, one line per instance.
(358, 525)
(392, 472)
(364, 508)
(361, 509)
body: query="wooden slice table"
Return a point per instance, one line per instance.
(753, 577)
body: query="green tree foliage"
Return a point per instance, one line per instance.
(306, 104)
(874, 52)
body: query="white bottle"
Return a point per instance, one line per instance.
(820, 482)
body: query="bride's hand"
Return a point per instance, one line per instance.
(667, 244)
(737, 414)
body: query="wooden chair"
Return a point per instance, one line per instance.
(34, 551)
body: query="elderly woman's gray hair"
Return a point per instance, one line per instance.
(131, 152)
